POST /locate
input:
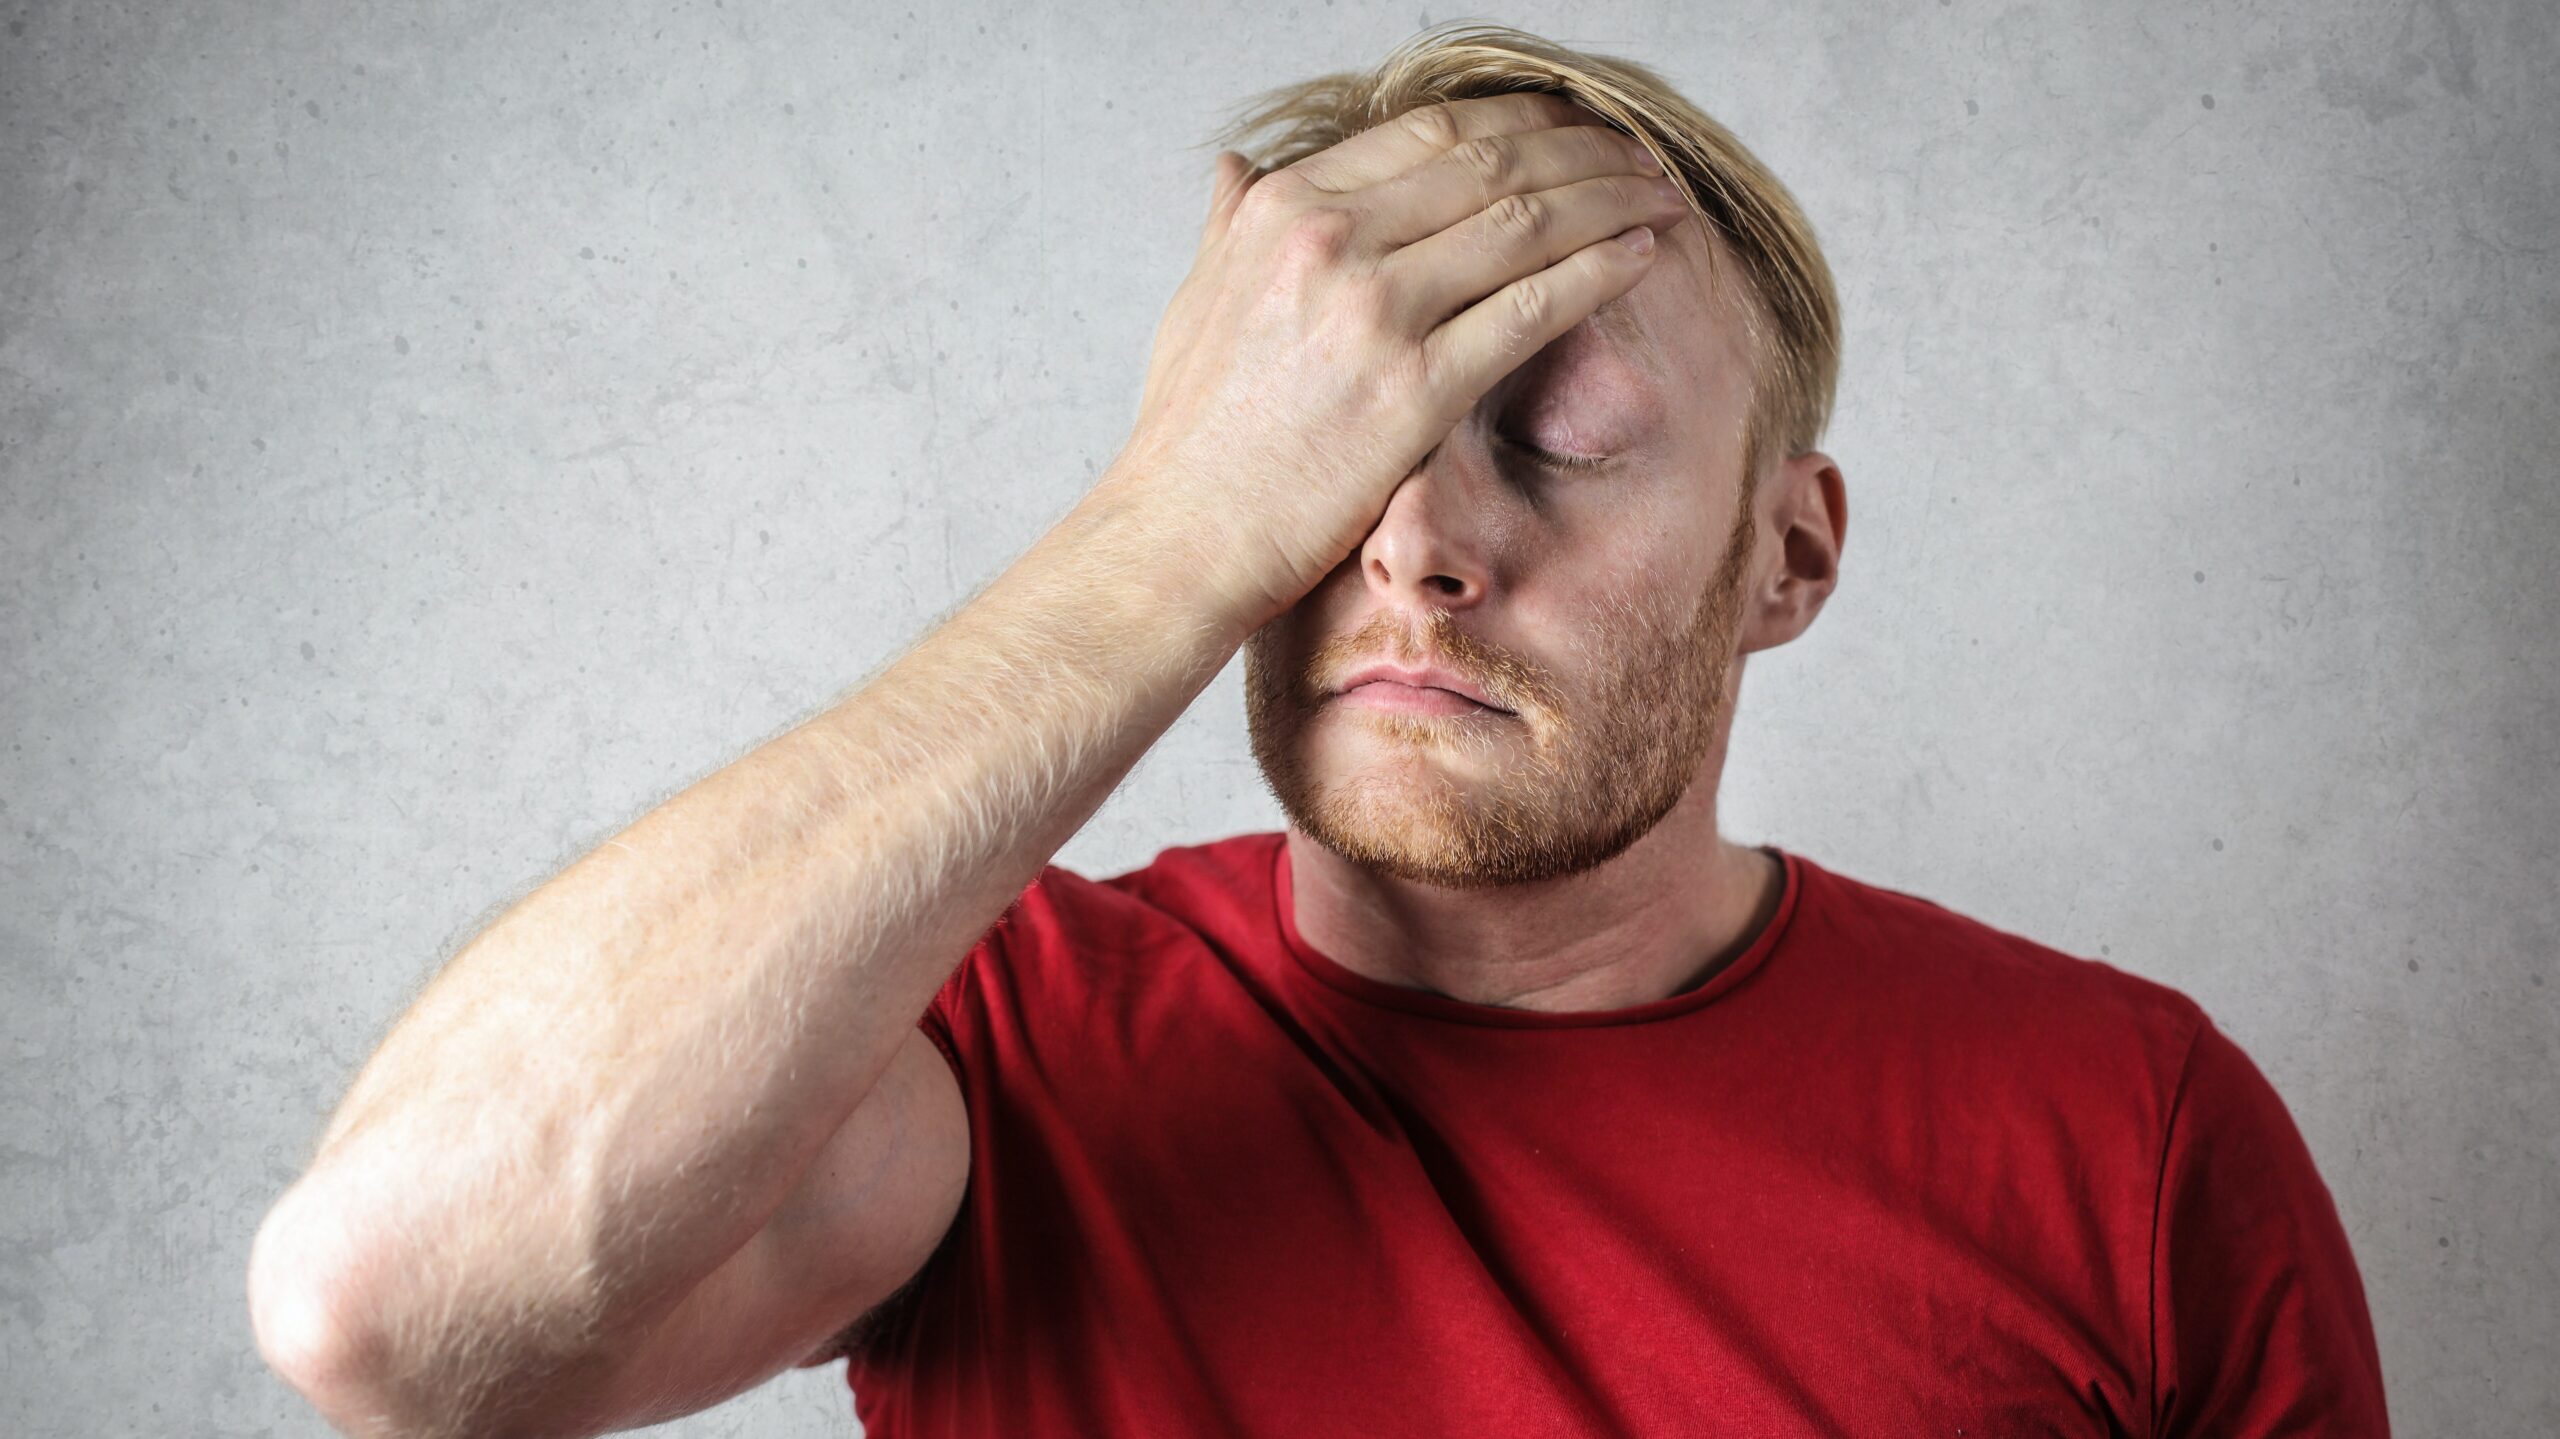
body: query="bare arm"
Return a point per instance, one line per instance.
(606, 1093)
(667, 1119)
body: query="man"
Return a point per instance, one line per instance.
(1497, 1095)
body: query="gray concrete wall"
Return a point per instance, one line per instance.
(432, 434)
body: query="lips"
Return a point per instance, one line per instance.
(1424, 677)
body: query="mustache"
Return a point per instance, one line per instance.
(1438, 641)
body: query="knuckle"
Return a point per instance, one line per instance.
(1266, 197)
(1490, 159)
(1522, 217)
(1321, 235)
(1433, 125)
(1531, 303)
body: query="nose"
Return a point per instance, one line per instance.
(1433, 546)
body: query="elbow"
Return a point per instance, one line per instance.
(315, 1324)
(299, 1311)
(327, 1326)
(333, 1319)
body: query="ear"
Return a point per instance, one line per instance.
(1807, 505)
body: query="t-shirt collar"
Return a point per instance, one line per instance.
(1360, 987)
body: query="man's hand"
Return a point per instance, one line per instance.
(1346, 312)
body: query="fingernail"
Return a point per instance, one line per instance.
(1637, 238)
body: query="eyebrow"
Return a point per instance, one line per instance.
(1617, 319)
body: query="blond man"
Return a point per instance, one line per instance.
(1499, 1094)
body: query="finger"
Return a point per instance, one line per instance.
(1391, 147)
(1522, 235)
(1235, 176)
(1459, 184)
(1490, 339)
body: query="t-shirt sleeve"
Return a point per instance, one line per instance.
(2259, 1326)
(1035, 917)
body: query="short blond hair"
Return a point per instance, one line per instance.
(1791, 306)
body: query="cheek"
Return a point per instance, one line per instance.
(1613, 538)
(1608, 615)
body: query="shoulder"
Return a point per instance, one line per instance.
(1069, 926)
(2002, 992)
(1082, 982)
(1183, 885)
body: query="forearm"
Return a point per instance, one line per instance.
(612, 1087)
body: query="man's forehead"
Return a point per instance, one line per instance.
(1717, 329)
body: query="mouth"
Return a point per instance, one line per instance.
(1400, 698)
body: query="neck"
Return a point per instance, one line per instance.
(1660, 918)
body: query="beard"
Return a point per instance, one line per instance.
(1571, 778)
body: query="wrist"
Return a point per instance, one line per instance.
(1152, 533)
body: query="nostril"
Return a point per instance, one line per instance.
(1449, 584)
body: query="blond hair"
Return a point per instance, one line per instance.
(1791, 308)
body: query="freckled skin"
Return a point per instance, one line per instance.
(1566, 856)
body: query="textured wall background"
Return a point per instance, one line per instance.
(433, 434)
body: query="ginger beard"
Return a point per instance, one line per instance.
(1565, 783)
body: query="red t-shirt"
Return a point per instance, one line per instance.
(1891, 1171)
